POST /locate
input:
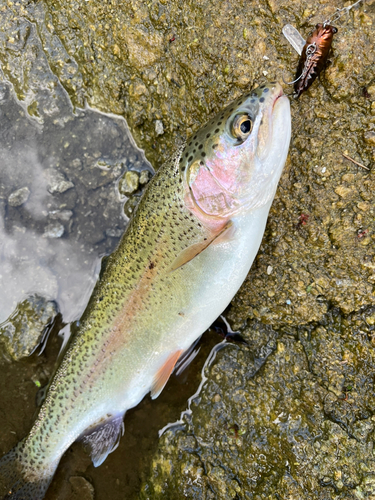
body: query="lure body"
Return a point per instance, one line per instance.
(314, 57)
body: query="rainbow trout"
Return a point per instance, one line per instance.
(181, 260)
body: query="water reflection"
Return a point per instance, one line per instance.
(60, 209)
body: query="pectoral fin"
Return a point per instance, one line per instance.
(103, 437)
(162, 376)
(191, 252)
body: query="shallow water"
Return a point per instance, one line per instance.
(68, 213)
(122, 473)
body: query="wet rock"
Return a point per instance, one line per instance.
(63, 215)
(19, 197)
(95, 177)
(370, 137)
(57, 182)
(53, 230)
(114, 233)
(130, 205)
(144, 177)
(23, 331)
(81, 488)
(129, 183)
(76, 164)
(272, 418)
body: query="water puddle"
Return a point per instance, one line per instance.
(60, 210)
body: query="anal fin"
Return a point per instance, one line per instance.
(162, 376)
(103, 438)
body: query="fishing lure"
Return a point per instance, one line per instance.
(314, 52)
(314, 57)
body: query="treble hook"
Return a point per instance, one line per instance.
(291, 83)
(310, 51)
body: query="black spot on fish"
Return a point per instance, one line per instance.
(214, 146)
(262, 86)
(203, 154)
(220, 123)
(151, 265)
(200, 146)
(252, 101)
(190, 158)
(265, 90)
(217, 130)
(261, 99)
(208, 135)
(201, 163)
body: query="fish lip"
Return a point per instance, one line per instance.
(279, 96)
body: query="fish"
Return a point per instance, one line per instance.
(184, 255)
(314, 57)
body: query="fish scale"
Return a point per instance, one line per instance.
(184, 255)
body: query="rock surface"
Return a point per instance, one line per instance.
(290, 416)
(23, 332)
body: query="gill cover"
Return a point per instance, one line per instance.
(225, 156)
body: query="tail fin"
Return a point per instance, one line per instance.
(22, 478)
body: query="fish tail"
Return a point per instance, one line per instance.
(21, 477)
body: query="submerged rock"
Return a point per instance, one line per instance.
(57, 182)
(24, 330)
(144, 177)
(129, 183)
(19, 197)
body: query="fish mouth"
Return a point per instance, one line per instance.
(281, 102)
(280, 95)
(280, 130)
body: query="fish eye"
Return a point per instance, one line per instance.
(241, 126)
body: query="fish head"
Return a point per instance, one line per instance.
(233, 164)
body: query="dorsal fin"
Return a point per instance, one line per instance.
(191, 252)
(103, 437)
(162, 376)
